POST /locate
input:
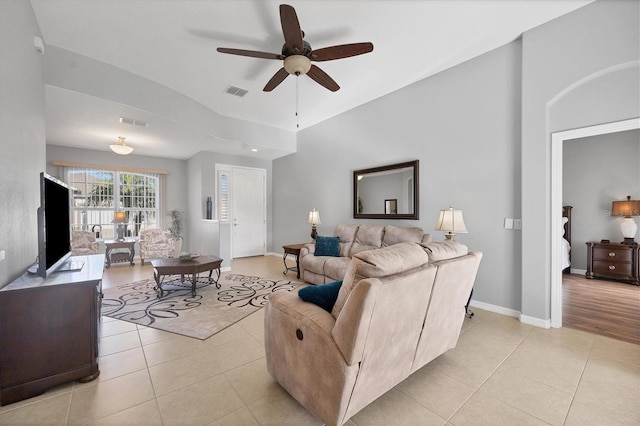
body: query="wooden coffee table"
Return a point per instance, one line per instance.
(174, 266)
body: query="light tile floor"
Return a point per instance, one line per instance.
(501, 373)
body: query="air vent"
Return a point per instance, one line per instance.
(236, 91)
(134, 122)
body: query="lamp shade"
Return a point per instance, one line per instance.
(452, 222)
(314, 217)
(120, 217)
(628, 208)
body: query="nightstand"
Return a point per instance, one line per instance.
(613, 261)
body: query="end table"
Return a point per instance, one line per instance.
(293, 249)
(119, 255)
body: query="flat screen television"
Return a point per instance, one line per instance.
(54, 225)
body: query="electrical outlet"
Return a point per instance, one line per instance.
(2, 254)
(517, 223)
(508, 223)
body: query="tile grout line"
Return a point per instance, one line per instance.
(488, 377)
(575, 391)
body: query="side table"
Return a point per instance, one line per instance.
(293, 249)
(120, 255)
(613, 261)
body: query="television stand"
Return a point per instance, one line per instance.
(50, 330)
(71, 265)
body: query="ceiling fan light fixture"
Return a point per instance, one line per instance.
(120, 147)
(297, 64)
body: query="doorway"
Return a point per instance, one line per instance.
(557, 141)
(242, 203)
(249, 221)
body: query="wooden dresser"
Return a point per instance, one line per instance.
(613, 261)
(50, 330)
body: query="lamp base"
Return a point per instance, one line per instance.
(313, 232)
(120, 233)
(450, 237)
(629, 241)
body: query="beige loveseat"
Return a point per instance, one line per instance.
(399, 307)
(353, 239)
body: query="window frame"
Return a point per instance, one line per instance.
(145, 188)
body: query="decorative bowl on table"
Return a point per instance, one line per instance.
(184, 257)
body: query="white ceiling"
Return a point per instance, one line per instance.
(173, 43)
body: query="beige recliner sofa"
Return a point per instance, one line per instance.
(353, 239)
(399, 307)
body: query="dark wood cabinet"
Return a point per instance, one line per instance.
(50, 330)
(613, 261)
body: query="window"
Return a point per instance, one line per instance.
(223, 196)
(100, 193)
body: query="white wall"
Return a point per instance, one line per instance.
(22, 137)
(463, 126)
(586, 55)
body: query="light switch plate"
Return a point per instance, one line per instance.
(517, 223)
(508, 223)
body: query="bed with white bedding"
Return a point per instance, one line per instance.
(566, 239)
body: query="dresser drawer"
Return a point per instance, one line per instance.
(607, 254)
(612, 269)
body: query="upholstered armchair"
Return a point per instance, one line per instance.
(156, 243)
(83, 243)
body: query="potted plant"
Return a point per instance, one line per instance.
(177, 216)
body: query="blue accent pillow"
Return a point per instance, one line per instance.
(324, 295)
(327, 246)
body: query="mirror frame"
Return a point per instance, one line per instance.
(416, 192)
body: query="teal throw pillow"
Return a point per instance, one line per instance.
(327, 246)
(324, 295)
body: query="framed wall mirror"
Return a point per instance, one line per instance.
(386, 192)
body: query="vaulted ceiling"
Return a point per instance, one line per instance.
(156, 61)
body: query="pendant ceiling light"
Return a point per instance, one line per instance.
(120, 147)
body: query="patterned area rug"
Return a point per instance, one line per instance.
(202, 316)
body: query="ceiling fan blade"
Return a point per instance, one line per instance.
(250, 53)
(323, 78)
(277, 78)
(341, 51)
(291, 29)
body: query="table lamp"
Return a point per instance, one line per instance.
(452, 222)
(314, 219)
(120, 218)
(628, 209)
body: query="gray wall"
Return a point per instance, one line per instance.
(569, 81)
(482, 134)
(22, 137)
(176, 178)
(202, 184)
(463, 126)
(596, 171)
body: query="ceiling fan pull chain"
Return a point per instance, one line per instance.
(297, 102)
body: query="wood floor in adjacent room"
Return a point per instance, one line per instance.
(608, 308)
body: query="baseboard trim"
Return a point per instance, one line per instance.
(525, 319)
(494, 308)
(537, 322)
(579, 271)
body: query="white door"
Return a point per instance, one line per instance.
(249, 221)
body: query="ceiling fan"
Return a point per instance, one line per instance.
(298, 54)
